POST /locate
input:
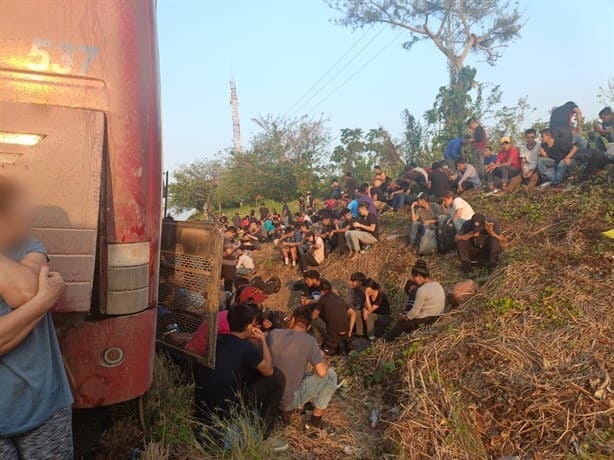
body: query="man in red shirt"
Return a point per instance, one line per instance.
(507, 164)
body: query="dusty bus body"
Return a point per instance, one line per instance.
(80, 129)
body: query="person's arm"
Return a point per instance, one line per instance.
(16, 325)
(414, 216)
(418, 305)
(570, 155)
(579, 118)
(466, 236)
(352, 322)
(266, 365)
(490, 229)
(19, 280)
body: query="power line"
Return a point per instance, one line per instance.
(330, 69)
(375, 56)
(332, 78)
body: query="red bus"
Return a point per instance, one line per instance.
(80, 128)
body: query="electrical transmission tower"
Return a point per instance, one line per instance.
(236, 125)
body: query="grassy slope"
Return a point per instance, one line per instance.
(522, 368)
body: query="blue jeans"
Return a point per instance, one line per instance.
(552, 170)
(399, 201)
(416, 230)
(315, 388)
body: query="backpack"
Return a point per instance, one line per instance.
(272, 286)
(428, 243)
(444, 234)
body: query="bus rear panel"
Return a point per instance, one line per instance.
(80, 129)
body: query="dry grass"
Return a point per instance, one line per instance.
(521, 369)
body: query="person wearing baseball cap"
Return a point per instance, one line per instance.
(507, 164)
(251, 295)
(479, 241)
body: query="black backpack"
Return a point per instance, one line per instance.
(445, 234)
(272, 286)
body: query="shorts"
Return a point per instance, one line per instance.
(50, 441)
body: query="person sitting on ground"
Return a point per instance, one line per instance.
(439, 182)
(366, 231)
(312, 253)
(454, 150)
(327, 232)
(458, 210)
(342, 226)
(233, 382)
(479, 141)
(292, 350)
(467, 176)
(357, 299)
(266, 319)
(35, 396)
(333, 319)
(489, 157)
(605, 127)
(529, 154)
(378, 174)
(229, 257)
(336, 192)
(479, 240)
(365, 198)
(506, 166)
(313, 289)
(399, 195)
(378, 195)
(245, 263)
(264, 212)
(425, 308)
(556, 158)
(422, 217)
(288, 246)
(376, 312)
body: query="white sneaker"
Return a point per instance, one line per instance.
(545, 184)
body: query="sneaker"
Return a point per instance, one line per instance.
(277, 444)
(365, 249)
(545, 184)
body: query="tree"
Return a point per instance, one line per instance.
(457, 28)
(286, 155)
(382, 149)
(194, 185)
(511, 120)
(606, 93)
(412, 144)
(349, 154)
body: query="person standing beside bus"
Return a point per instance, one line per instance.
(35, 398)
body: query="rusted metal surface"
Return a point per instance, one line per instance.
(61, 175)
(100, 56)
(109, 361)
(190, 265)
(96, 61)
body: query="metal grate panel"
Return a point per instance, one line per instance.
(190, 265)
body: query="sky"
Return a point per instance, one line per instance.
(277, 49)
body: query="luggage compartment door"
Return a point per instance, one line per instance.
(55, 153)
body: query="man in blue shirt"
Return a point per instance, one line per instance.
(35, 398)
(454, 150)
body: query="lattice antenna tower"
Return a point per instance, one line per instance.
(236, 124)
